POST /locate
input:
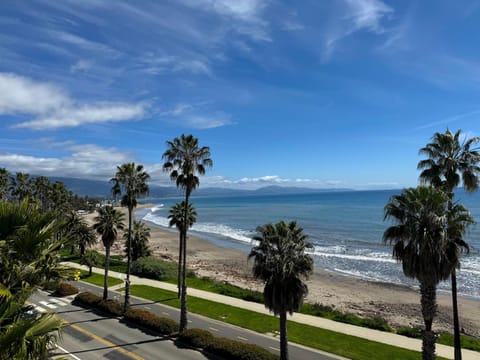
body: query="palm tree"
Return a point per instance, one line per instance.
(176, 217)
(91, 258)
(4, 183)
(20, 186)
(280, 261)
(420, 237)
(139, 240)
(29, 253)
(450, 160)
(22, 335)
(107, 224)
(78, 232)
(184, 160)
(130, 181)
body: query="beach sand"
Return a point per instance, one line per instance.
(399, 305)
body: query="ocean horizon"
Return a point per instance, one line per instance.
(346, 229)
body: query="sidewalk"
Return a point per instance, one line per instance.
(361, 332)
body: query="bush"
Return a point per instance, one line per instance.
(376, 323)
(154, 268)
(235, 350)
(151, 321)
(111, 306)
(65, 289)
(87, 298)
(412, 332)
(198, 338)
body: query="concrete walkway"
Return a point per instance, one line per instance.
(361, 332)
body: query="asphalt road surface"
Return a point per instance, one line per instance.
(91, 335)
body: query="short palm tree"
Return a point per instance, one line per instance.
(24, 336)
(139, 240)
(107, 224)
(176, 217)
(29, 254)
(184, 159)
(130, 182)
(420, 239)
(449, 160)
(280, 261)
(4, 183)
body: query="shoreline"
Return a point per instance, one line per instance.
(398, 304)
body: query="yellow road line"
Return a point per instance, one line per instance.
(105, 342)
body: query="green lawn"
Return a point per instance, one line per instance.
(340, 344)
(97, 279)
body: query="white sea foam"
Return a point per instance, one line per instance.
(372, 256)
(207, 228)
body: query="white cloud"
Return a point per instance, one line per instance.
(86, 114)
(268, 180)
(84, 161)
(53, 108)
(189, 116)
(25, 96)
(357, 15)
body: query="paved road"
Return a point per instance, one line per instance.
(92, 336)
(98, 329)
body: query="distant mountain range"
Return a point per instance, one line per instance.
(102, 189)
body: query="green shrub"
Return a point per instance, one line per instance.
(111, 306)
(66, 289)
(198, 338)
(411, 332)
(151, 321)
(467, 342)
(328, 312)
(235, 350)
(50, 285)
(87, 298)
(154, 268)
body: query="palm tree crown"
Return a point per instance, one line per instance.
(130, 181)
(449, 160)
(184, 159)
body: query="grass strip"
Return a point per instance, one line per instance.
(97, 279)
(344, 345)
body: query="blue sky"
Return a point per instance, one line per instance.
(331, 93)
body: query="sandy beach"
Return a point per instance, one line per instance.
(399, 305)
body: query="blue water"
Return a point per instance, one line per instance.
(346, 229)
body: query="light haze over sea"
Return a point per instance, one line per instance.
(346, 229)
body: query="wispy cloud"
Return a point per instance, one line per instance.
(356, 15)
(267, 180)
(53, 108)
(472, 115)
(81, 66)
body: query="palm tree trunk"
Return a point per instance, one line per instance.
(180, 256)
(283, 336)
(429, 308)
(129, 261)
(183, 295)
(105, 280)
(456, 322)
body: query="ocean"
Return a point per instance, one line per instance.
(346, 229)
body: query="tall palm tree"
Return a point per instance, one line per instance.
(184, 159)
(139, 240)
(280, 261)
(130, 182)
(20, 186)
(420, 236)
(107, 224)
(4, 183)
(176, 217)
(449, 160)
